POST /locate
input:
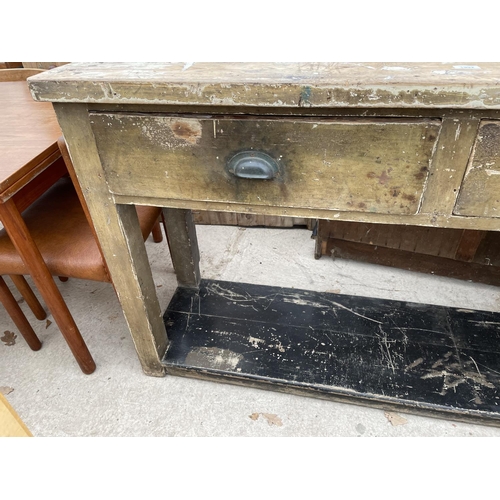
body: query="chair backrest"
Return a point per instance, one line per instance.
(18, 74)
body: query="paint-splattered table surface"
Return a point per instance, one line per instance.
(423, 85)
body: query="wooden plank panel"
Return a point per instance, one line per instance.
(425, 240)
(469, 244)
(234, 219)
(221, 218)
(488, 252)
(411, 261)
(428, 241)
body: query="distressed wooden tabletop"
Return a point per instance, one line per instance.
(28, 133)
(423, 85)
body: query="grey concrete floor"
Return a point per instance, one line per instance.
(54, 398)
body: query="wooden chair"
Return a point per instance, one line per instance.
(17, 74)
(62, 229)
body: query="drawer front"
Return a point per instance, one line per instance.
(360, 165)
(479, 194)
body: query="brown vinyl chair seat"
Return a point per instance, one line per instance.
(58, 224)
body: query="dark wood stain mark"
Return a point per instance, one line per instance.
(183, 130)
(422, 174)
(410, 197)
(383, 178)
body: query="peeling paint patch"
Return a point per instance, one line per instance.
(464, 66)
(414, 364)
(240, 299)
(304, 302)
(214, 358)
(254, 342)
(455, 372)
(490, 172)
(395, 68)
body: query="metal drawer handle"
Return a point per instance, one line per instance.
(253, 165)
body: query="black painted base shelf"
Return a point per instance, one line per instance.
(389, 354)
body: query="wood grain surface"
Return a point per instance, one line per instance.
(23, 143)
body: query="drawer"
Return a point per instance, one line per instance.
(364, 165)
(479, 194)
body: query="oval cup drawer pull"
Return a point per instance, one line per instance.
(253, 165)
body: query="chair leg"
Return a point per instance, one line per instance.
(33, 260)
(156, 232)
(28, 296)
(17, 315)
